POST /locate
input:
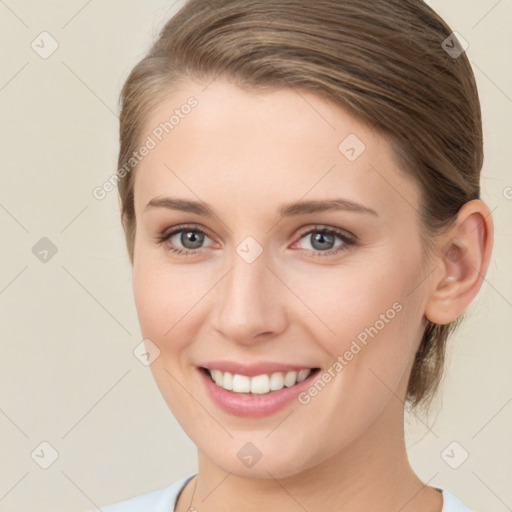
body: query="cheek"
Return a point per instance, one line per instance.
(162, 313)
(168, 298)
(146, 297)
(367, 320)
(371, 352)
(157, 297)
(350, 302)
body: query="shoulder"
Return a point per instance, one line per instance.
(159, 500)
(453, 504)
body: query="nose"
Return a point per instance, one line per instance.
(250, 302)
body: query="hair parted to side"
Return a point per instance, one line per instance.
(381, 60)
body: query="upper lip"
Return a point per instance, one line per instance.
(253, 369)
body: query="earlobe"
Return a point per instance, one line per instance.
(463, 256)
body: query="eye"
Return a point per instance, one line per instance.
(191, 238)
(322, 239)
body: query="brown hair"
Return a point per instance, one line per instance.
(384, 61)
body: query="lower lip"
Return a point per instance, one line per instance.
(247, 404)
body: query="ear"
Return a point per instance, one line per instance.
(462, 256)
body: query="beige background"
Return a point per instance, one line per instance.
(69, 325)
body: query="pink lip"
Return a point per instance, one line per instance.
(252, 369)
(247, 404)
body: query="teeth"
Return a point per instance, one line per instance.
(260, 384)
(227, 381)
(290, 379)
(241, 383)
(276, 381)
(302, 375)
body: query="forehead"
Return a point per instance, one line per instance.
(220, 140)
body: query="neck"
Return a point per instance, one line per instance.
(373, 473)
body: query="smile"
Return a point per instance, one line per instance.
(258, 384)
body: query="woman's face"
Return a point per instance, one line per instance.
(263, 287)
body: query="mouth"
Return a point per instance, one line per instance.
(263, 384)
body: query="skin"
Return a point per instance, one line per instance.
(245, 154)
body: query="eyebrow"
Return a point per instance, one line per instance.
(286, 210)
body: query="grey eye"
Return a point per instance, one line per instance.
(190, 239)
(322, 241)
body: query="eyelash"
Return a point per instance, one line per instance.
(347, 240)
